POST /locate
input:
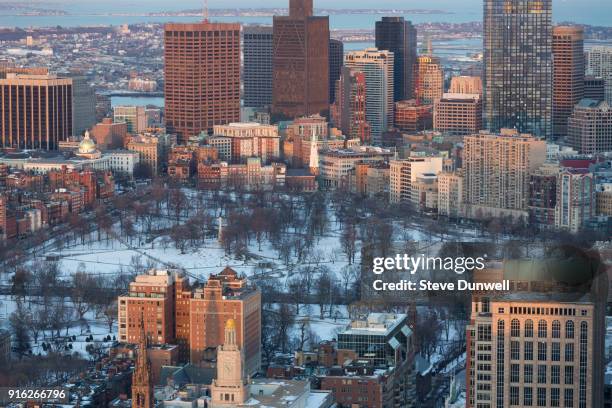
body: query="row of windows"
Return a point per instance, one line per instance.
(555, 354)
(541, 397)
(542, 374)
(515, 329)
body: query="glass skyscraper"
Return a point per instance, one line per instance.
(518, 65)
(400, 37)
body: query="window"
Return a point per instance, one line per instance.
(515, 350)
(484, 332)
(528, 328)
(569, 352)
(528, 352)
(501, 352)
(514, 395)
(515, 328)
(528, 373)
(541, 374)
(528, 396)
(515, 373)
(541, 397)
(542, 352)
(569, 375)
(569, 329)
(584, 338)
(556, 352)
(542, 329)
(555, 374)
(568, 398)
(554, 397)
(556, 329)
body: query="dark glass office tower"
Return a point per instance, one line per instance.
(300, 64)
(518, 65)
(257, 74)
(336, 59)
(400, 37)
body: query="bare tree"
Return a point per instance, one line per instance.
(297, 291)
(348, 241)
(83, 289)
(110, 314)
(323, 292)
(349, 275)
(19, 327)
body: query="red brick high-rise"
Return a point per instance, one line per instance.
(202, 77)
(568, 75)
(300, 62)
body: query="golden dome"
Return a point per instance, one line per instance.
(231, 324)
(87, 145)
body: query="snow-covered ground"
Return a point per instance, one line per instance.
(93, 328)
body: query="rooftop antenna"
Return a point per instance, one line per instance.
(205, 11)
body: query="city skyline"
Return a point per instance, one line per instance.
(353, 209)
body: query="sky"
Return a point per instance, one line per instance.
(594, 5)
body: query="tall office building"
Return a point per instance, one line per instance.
(36, 111)
(568, 75)
(300, 62)
(202, 77)
(539, 344)
(496, 168)
(594, 88)
(349, 110)
(83, 105)
(518, 66)
(400, 37)
(336, 60)
(590, 127)
(458, 114)
(599, 64)
(377, 65)
(257, 75)
(429, 79)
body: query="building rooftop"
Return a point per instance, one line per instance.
(375, 324)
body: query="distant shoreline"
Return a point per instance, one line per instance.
(238, 12)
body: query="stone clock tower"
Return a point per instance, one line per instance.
(230, 387)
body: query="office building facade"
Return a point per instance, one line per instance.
(378, 68)
(518, 66)
(429, 79)
(36, 111)
(599, 64)
(458, 114)
(257, 74)
(568, 75)
(590, 127)
(399, 36)
(300, 62)
(202, 77)
(336, 60)
(496, 168)
(349, 110)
